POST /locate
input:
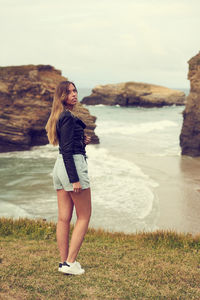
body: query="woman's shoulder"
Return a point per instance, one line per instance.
(65, 114)
(65, 117)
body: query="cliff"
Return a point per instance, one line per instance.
(134, 93)
(190, 133)
(26, 95)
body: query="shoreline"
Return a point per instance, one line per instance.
(176, 196)
(177, 191)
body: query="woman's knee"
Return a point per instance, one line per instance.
(65, 219)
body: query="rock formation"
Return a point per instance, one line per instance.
(26, 95)
(134, 93)
(190, 133)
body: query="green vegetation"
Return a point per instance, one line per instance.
(158, 265)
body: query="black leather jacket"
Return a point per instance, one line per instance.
(70, 132)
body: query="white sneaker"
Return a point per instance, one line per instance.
(78, 264)
(73, 269)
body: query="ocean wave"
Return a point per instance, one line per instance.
(97, 105)
(120, 184)
(11, 210)
(109, 127)
(46, 151)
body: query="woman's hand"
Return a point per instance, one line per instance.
(87, 139)
(77, 187)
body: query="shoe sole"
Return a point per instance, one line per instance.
(68, 273)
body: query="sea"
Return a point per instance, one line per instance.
(140, 182)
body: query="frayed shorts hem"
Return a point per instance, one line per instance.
(69, 189)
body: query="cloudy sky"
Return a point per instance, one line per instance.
(103, 41)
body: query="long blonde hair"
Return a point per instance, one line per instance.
(58, 106)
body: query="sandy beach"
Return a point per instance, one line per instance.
(178, 191)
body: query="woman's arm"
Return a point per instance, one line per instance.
(67, 125)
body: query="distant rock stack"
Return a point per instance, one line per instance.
(134, 94)
(26, 95)
(190, 134)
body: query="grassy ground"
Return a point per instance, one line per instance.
(159, 265)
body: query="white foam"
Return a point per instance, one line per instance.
(46, 151)
(100, 105)
(44, 206)
(176, 151)
(119, 184)
(109, 127)
(10, 210)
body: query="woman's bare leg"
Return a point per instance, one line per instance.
(65, 210)
(82, 202)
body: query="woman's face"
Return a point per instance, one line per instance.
(71, 95)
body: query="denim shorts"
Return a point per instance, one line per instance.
(60, 177)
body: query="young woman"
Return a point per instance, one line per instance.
(70, 175)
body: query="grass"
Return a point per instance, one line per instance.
(158, 265)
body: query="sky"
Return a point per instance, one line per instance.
(95, 42)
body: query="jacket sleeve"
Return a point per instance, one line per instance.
(66, 143)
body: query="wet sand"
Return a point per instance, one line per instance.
(178, 191)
